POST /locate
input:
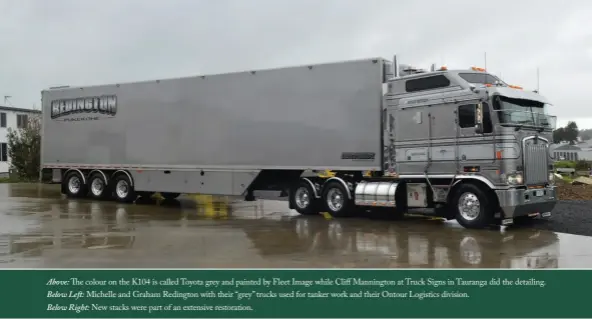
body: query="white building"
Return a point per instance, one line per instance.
(586, 150)
(581, 151)
(11, 117)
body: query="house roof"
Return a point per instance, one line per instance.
(567, 147)
(18, 109)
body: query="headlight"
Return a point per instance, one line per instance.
(515, 179)
(551, 178)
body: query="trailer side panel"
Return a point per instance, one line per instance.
(324, 116)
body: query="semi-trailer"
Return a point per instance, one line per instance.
(458, 144)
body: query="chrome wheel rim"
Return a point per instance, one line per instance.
(97, 187)
(335, 199)
(74, 184)
(302, 197)
(122, 189)
(469, 206)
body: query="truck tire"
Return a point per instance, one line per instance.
(170, 196)
(123, 191)
(471, 207)
(303, 200)
(97, 186)
(336, 201)
(74, 185)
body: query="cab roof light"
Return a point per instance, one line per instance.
(443, 68)
(515, 87)
(474, 68)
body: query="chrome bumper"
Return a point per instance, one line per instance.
(522, 202)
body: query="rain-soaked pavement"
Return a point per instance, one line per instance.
(40, 228)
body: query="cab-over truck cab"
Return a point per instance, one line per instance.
(459, 144)
(470, 130)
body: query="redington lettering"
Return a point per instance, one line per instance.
(106, 104)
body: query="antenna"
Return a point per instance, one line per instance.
(485, 66)
(538, 81)
(6, 101)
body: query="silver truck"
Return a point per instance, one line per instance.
(458, 144)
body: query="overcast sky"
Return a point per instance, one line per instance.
(51, 43)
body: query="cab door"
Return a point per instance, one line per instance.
(473, 146)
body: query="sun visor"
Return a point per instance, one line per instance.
(519, 94)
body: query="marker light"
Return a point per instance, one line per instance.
(515, 87)
(474, 68)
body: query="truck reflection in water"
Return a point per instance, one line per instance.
(276, 234)
(407, 247)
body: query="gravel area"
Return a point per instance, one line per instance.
(569, 216)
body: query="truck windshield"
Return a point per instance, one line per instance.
(520, 112)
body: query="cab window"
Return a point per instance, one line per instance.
(466, 117)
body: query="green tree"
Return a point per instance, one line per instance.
(24, 149)
(571, 132)
(558, 135)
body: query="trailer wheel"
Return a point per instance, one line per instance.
(336, 201)
(170, 196)
(73, 185)
(123, 191)
(303, 200)
(97, 186)
(472, 207)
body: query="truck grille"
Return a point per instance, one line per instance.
(536, 170)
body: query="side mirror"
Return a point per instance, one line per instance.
(479, 118)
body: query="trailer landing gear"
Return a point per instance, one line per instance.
(170, 196)
(250, 197)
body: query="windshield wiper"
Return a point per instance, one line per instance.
(520, 125)
(543, 126)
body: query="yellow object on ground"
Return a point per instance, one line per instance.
(326, 215)
(212, 206)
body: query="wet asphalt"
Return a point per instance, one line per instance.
(39, 228)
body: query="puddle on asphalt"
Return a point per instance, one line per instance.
(39, 228)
